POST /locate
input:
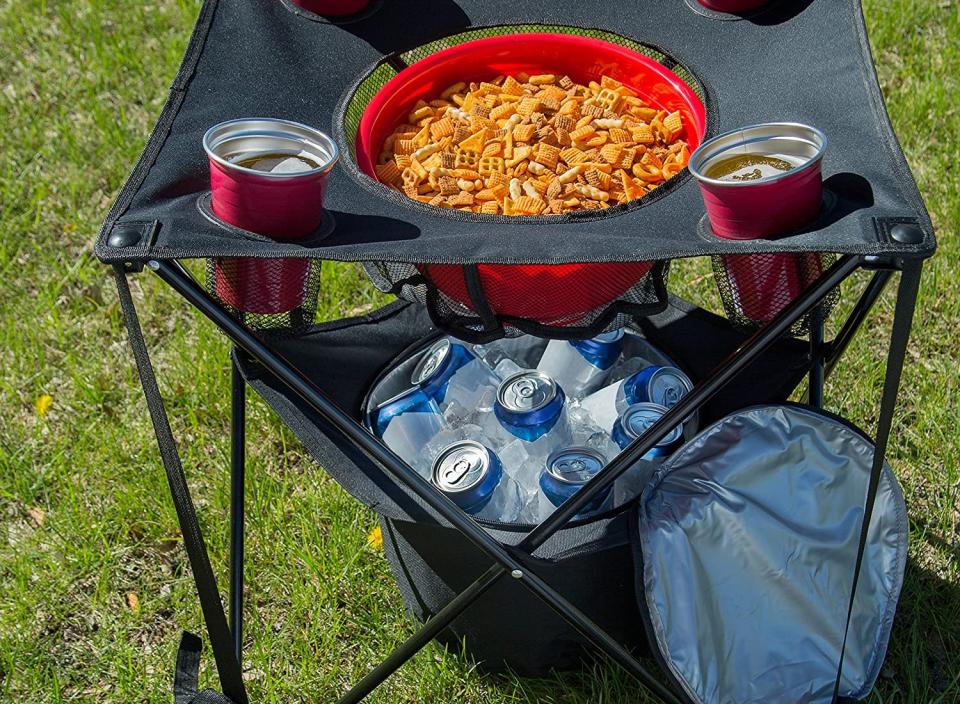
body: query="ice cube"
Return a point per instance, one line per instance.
(606, 405)
(408, 434)
(484, 402)
(473, 386)
(604, 444)
(626, 367)
(524, 350)
(506, 367)
(291, 165)
(516, 461)
(455, 414)
(582, 424)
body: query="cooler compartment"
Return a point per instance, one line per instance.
(429, 559)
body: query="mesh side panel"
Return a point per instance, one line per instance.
(454, 302)
(379, 77)
(277, 295)
(756, 287)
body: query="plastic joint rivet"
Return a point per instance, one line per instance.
(906, 233)
(517, 574)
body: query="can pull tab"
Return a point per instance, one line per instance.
(526, 388)
(457, 472)
(571, 468)
(671, 396)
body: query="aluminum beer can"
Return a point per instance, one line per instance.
(567, 470)
(601, 351)
(438, 365)
(468, 473)
(636, 420)
(412, 400)
(581, 366)
(661, 385)
(529, 404)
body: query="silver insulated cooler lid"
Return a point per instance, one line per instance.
(748, 538)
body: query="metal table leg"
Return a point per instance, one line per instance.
(859, 313)
(238, 417)
(815, 382)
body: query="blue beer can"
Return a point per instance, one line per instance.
(601, 351)
(635, 421)
(436, 367)
(567, 470)
(529, 404)
(661, 385)
(410, 401)
(468, 473)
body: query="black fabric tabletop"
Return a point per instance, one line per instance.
(800, 60)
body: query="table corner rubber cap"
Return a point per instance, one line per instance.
(906, 233)
(124, 236)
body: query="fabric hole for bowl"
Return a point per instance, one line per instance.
(547, 295)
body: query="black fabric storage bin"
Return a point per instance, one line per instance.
(431, 562)
(509, 627)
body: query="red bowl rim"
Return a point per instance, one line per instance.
(364, 136)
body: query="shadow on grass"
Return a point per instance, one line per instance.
(923, 660)
(922, 664)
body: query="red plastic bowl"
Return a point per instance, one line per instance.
(733, 5)
(554, 295)
(333, 8)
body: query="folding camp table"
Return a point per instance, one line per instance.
(265, 57)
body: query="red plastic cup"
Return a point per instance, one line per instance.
(284, 205)
(743, 210)
(733, 5)
(333, 8)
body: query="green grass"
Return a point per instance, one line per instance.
(80, 85)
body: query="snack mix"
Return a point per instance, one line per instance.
(533, 145)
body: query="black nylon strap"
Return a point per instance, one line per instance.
(899, 337)
(221, 641)
(187, 677)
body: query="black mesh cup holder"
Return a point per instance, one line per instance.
(269, 294)
(754, 288)
(274, 295)
(483, 301)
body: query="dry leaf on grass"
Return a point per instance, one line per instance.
(38, 515)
